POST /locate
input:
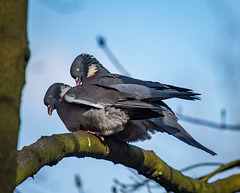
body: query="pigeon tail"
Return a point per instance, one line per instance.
(179, 132)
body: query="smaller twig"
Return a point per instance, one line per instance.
(78, 183)
(138, 183)
(207, 123)
(134, 179)
(221, 169)
(148, 187)
(102, 43)
(134, 172)
(114, 189)
(200, 165)
(120, 183)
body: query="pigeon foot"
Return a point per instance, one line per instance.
(98, 134)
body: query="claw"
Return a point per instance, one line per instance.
(98, 134)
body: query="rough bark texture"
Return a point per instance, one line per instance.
(14, 55)
(50, 150)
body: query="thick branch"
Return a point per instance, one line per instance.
(14, 56)
(50, 150)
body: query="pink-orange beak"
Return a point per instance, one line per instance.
(50, 109)
(78, 81)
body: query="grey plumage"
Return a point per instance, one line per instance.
(147, 93)
(110, 112)
(104, 110)
(101, 96)
(88, 70)
(81, 117)
(168, 123)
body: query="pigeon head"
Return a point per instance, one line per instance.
(54, 95)
(84, 65)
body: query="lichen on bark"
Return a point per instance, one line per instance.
(50, 150)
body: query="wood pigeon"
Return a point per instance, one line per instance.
(86, 69)
(127, 114)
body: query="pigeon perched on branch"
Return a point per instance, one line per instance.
(126, 114)
(104, 110)
(86, 69)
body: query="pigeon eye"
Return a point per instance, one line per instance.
(78, 69)
(50, 96)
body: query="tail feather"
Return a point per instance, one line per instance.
(161, 95)
(179, 132)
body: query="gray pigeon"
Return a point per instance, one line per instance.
(104, 110)
(86, 69)
(128, 114)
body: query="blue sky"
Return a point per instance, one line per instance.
(191, 44)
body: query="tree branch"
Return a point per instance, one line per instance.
(200, 165)
(50, 150)
(221, 169)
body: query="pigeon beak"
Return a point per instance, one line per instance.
(50, 109)
(78, 81)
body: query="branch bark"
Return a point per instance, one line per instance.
(50, 150)
(14, 56)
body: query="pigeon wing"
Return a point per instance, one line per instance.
(101, 97)
(149, 94)
(111, 79)
(92, 95)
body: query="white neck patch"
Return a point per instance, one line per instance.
(92, 70)
(64, 90)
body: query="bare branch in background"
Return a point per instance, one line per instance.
(79, 183)
(123, 187)
(221, 169)
(102, 43)
(207, 123)
(142, 181)
(201, 165)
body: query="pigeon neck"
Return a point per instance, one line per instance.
(93, 78)
(101, 69)
(64, 90)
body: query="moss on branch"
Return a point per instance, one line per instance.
(50, 150)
